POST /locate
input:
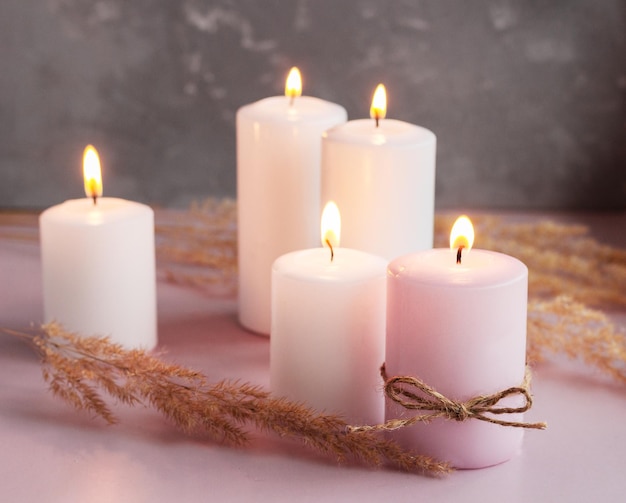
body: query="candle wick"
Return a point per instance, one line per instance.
(332, 253)
(292, 98)
(458, 254)
(95, 198)
(377, 119)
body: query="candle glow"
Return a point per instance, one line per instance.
(92, 173)
(378, 110)
(331, 225)
(293, 84)
(462, 234)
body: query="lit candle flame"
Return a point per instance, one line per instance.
(293, 84)
(92, 173)
(461, 236)
(331, 227)
(378, 110)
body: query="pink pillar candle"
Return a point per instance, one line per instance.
(460, 328)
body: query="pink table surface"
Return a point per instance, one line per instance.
(49, 452)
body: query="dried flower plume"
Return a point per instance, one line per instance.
(79, 368)
(565, 327)
(199, 247)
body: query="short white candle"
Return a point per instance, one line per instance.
(328, 331)
(381, 173)
(460, 328)
(98, 265)
(278, 190)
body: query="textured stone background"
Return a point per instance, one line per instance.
(527, 98)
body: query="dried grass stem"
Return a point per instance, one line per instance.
(78, 369)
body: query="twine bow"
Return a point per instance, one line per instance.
(440, 406)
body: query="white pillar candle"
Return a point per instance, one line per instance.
(98, 263)
(328, 331)
(381, 173)
(278, 188)
(461, 329)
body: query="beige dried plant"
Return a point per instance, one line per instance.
(198, 248)
(79, 368)
(568, 328)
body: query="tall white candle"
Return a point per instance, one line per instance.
(98, 265)
(381, 173)
(278, 188)
(328, 331)
(461, 329)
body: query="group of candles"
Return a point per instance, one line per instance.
(455, 319)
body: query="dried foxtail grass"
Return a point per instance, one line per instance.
(568, 328)
(78, 369)
(199, 247)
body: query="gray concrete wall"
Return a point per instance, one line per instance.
(527, 98)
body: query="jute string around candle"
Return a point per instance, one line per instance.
(414, 394)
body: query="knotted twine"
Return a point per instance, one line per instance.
(439, 405)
